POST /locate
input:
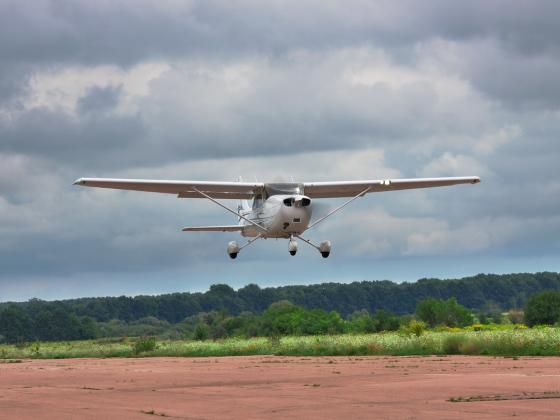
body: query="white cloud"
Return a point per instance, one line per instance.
(450, 164)
(59, 89)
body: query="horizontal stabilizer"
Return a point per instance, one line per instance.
(231, 228)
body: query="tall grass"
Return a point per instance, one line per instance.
(522, 342)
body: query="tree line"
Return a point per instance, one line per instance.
(324, 308)
(279, 319)
(503, 291)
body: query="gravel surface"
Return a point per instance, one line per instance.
(263, 387)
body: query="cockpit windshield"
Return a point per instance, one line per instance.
(287, 188)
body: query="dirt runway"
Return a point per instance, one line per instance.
(263, 387)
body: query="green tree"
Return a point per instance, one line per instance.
(281, 318)
(57, 324)
(385, 321)
(443, 312)
(432, 311)
(361, 322)
(490, 312)
(543, 308)
(317, 321)
(15, 324)
(87, 328)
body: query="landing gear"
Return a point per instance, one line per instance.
(292, 247)
(324, 247)
(233, 249)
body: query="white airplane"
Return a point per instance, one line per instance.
(279, 210)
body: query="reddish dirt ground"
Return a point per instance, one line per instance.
(263, 387)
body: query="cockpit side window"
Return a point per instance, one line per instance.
(257, 201)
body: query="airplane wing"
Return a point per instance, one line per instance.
(353, 188)
(183, 189)
(230, 228)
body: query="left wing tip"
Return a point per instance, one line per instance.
(79, 181)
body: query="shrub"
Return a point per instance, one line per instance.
(414, 327)
(543, 308)
(201, 332)
(515, 316)
(453, 344)
(386, 321)
(144, 344)
(443, 312)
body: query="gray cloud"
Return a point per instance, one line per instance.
(100, 140)
(317, 90)
(99, 99)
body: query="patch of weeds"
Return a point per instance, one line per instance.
(110, 340)
(453, 344)
(20, 344)
(414, 327)
(35, 348)
(274, 341)
(144, 344)
(374, 348)
(154, 413)
(512, 397)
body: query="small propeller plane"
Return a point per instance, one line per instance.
(278, 210)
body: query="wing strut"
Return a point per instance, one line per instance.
(230, 210)
(361, 194)
(250, 241)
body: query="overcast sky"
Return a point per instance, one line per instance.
(317, 90)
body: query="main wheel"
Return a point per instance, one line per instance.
(325, 254)
(292, 253)
(233, 255)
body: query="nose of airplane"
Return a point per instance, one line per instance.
(298, 201)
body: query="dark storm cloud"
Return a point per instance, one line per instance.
(39, 34)
(125, 32)
(101, 140)
(370, 88)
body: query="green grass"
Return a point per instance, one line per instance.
(503, 342)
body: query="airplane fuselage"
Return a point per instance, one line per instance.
(281, 215)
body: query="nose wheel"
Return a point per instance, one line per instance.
(292, 247)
